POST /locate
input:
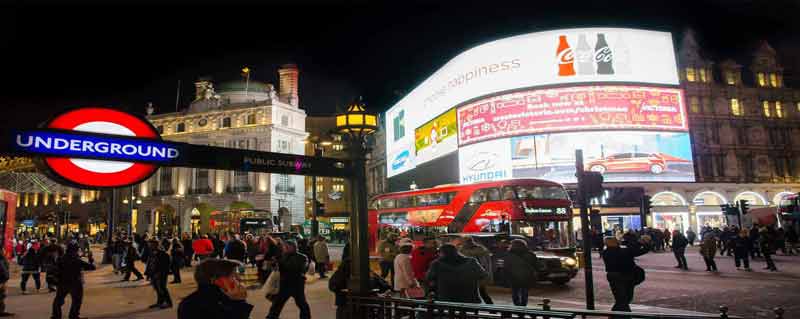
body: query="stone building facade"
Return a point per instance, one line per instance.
(244, 115)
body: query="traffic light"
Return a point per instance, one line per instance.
(727, 209)
(647, 204)
(743, 206)
(592, 183)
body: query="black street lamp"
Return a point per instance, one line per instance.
(355, 125)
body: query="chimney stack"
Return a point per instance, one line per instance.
(287, 74)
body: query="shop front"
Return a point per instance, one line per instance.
(610, 219)
(671, 221)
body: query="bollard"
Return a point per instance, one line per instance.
(778, 313)
(723, 312)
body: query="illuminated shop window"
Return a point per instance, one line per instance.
(762, 79)
(690, 75)
(694, 104)
(773, 80)
(766, 108)
(736, 109)
(703, 77)
(778, 109)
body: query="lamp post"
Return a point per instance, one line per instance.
(179, 213)
(356, 124)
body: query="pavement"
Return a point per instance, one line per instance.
(668, 290)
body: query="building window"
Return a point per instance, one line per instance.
(797, 104)
(730, 77)
(226, 122)
(690, 75)
(773, 80)
(320, 187)
(337, 147)
(160, 129)
(762, 79)
(694, 104)
(707, 106)
(240, 179)
(283, 146)
(703, 77)
(251, 119)
(778, 109)
(166, 180)
(285, 120)
(180, 128)
(766, 108)
(284, 185)
(338, 185)
(736, 109)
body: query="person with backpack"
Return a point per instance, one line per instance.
(68, 276)
(519, 268)
(679, 243)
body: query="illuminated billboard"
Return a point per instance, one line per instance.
(437, 137)
(572, 109)
(550, 58)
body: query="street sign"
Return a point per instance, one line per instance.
(105, 148)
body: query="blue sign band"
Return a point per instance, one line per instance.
(94, 146)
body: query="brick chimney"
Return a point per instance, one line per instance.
(287, 74)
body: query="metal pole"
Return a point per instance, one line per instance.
(359, 284)
(586, 234)
(110, 217)
(130, 216)
(314, 206)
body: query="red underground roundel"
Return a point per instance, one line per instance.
(93, 173)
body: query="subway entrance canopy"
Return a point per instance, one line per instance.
(97, 147)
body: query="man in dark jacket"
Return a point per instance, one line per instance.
(519, 267)
(454, 277)
(219, 294)
(219, 246)
(158, 270)
(69, 270)
(5, 274)
(50, 255)
(188, 251)
(679, 243)
(131, 255)
(292, 266)
(235, 249)
(621, 270)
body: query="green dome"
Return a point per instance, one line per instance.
(253, 86)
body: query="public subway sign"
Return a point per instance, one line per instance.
(99, 147)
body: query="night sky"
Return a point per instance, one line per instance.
(125, 56)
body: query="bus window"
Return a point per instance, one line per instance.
(508, 193)
(479, 196)
(386, 203)
(541, 192)
(435, 199)
(493, 194)
(404, 202)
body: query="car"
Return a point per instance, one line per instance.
(558, 266)
(629, 162)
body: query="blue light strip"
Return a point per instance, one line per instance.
(61, 144)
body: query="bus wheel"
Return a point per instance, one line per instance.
(561, 281)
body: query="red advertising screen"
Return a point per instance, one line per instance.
(609, 107)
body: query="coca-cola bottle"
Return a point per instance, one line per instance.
(584, 56)
(566, 59)
(603, 56)
(622, 61)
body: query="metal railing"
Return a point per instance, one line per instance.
(386, 308)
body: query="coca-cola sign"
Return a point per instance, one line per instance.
(572, 109)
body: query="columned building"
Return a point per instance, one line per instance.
(242, 114)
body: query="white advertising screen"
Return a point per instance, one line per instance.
(530, 60)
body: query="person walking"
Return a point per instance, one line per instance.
(5, 274)
(421, 259)
(253, 244)
(188, 251)
(236, 249)
(708, 249)
(322, 256)
(157, 270)
(403, 272)
(292, 266)
(470, 248)
(388, 250)
(767, 247)
(131, 255)
(691, 236)
(454, 277)
(203, 247)
(31, 267)
(755, 238)
(679, 243)
(791, 241)
(622, 272)
(519, 268)
(70, 281)
(742, 246)
(219, 293)
(219, 246)
(50, 254)
(177, 260)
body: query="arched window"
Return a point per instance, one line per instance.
(668, 199)
(779, 196)
(752, 198)
(709, 198)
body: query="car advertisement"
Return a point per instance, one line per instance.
(621, 156)
(567, 56)
(437, 137)
(487, 161)
(572, 109)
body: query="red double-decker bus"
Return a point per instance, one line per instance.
(537, 209)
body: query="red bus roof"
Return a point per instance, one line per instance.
(456, 187)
